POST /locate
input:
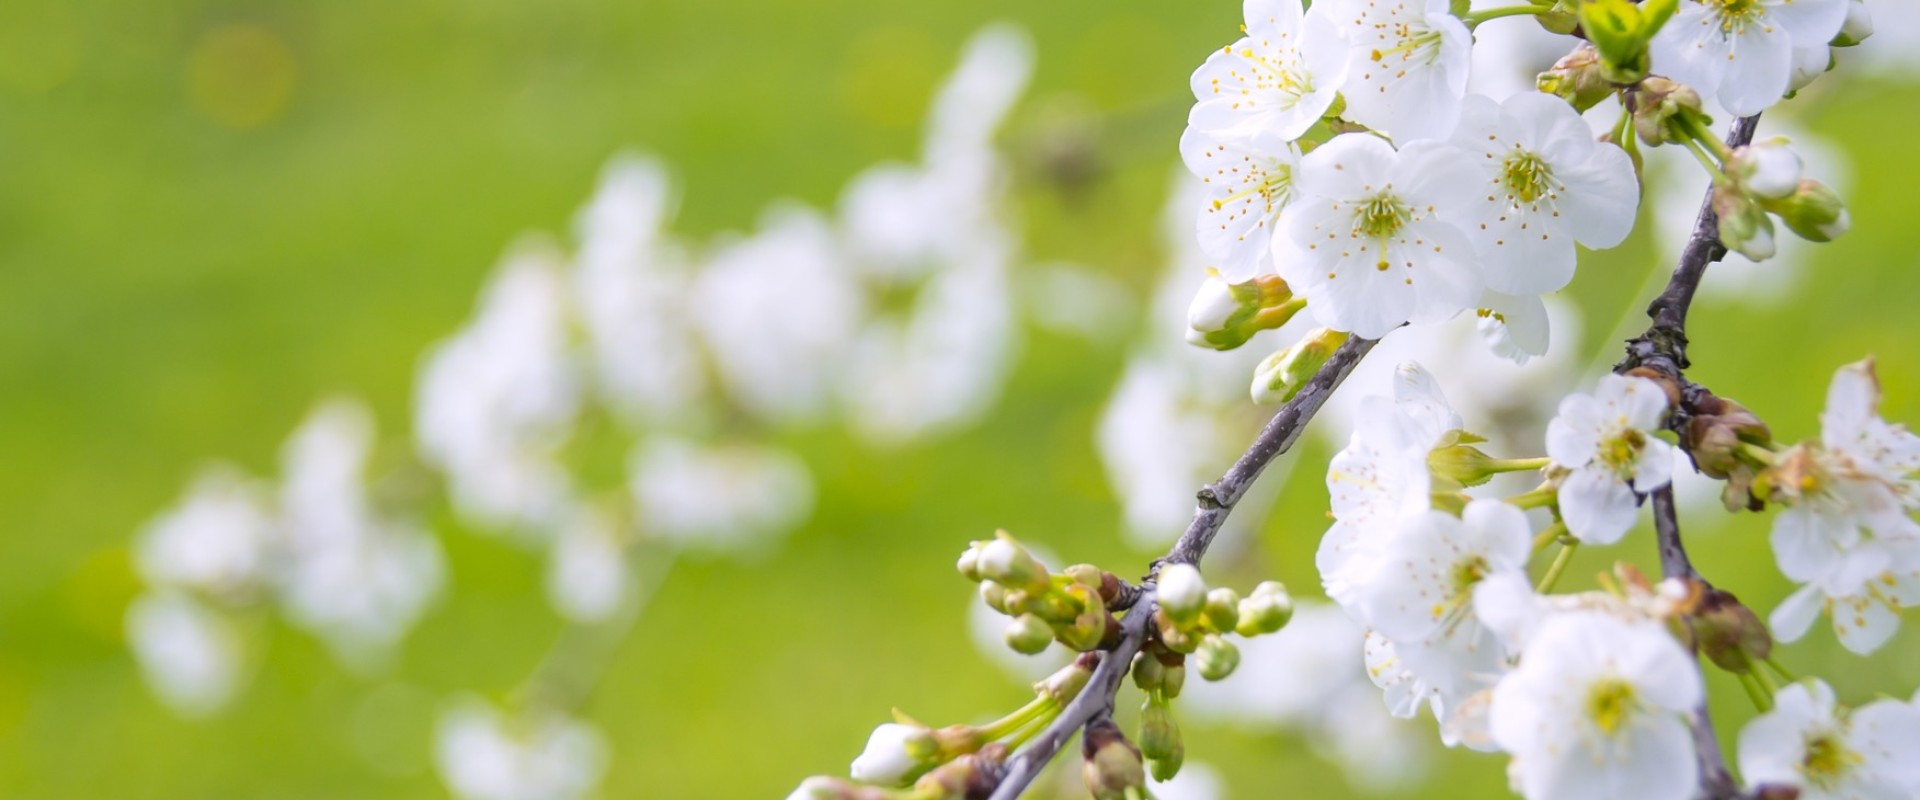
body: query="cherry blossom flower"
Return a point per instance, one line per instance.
(189, 654)
(483, 754)
(1545, 184)
(1249, 182)
(1864, 592)
(1596, 710)
(1831, 754)
(218, 538)
(1366, 243)
(767, 492)
(1407, 65)
(587, 574)
(1279, 78)
(1606, 441)
(1742, 52)
(1381, 476)
(1856, 481)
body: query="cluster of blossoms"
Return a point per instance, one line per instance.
(892, 315)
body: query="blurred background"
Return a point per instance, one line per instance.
(530, 400)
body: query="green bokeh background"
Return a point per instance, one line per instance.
(182, 273)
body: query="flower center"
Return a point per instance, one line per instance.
(1828, 759)
(1381, 217)
(1277, 74)
(1735, 14)
(1467, 572)
(1622, 450)
(1411, 45)
(1274, 186)
(1610, 704)
(1527, 177)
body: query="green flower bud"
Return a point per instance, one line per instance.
(1461, 465)
(1028, 634)
(1086, 575)
(1216, 657)
(1087, 631)
(1814, 212)
(1282, 375)
(1159, 736)
(1620, 31)
(1744, 226)
(1003, 560)
(969, 565)
(1768, 170)
(1656, 102)
(1063, 685)
(1173, 636)
(1267, 610)
(1577, 78)
(1224, 316)
(1222, 611)
(1176, 679)
(1148, 672)
(1562, 20)
(994, 595)
(1729, 633)
(1112, 768)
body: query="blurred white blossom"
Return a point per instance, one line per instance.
(189, 654)
(723, 497)
(216, 539)
(485, 754)
(587, 573)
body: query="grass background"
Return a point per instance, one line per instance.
(199, 238)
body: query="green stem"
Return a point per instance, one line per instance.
(1037, 725)
(1757, 453)
(1020, 717)
(1767, 681)
(1549, 536)
(1518, 464)
(1545, 494)
(1713, 167)
(1476, 17)
(1558, 566)
(1761, 700)
(1701, 134)
(1779, 670)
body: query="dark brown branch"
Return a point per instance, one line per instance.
(1662, 350)
(1216, 501)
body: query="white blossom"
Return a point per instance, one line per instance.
(720, 497)
(1606, 441)
(188, 653)
(587, 573)
(1742, 53)
(497, 399)
(1367, 243)
(1544, 185)
(1864, 592)
(1832, 754)
(1407, 65)
(1596, 710)
(894, 754)
(217, 539)
(1249, 182)
(1279, 78)
(1381, 476)
(483, 754)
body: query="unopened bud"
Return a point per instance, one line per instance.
(1003, 560)
(1729, 632)
(1620, 31)
(1175, 637)
(1577, 78)
(1086, 575)
(968, 776)
(1769, 169)
(895, 754)
(1063, 685)
(1858, 27)
(1814, 211)
(1159, 736)
(1717, 430)
(1182, 592)
(1283, 374)
(1744, 226)
(1148, 672)
(1175, 680)
(1461, 465)
(1267, 610)
(1028, 634)
(1112, 768)
(1088, 631)
(994, 595)
(1656, 102)
(823, 787)
(1217, 658)
(1224, 316)
(1222, 610)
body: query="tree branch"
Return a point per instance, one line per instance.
(1663, 351)
(1216, 501)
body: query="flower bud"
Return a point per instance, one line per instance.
(1267, 610)
(1182, 592)
(1744, 226)
(1769, 170)
(1175, 680)
(1657, 101)
(1284, 373)
(1460, 465)
(1224, 316)
(1064, 684)
(1729, 632)
(961, 778)
(1858, 27)
(895, 754)
(1004, 561)
(822, 787)
(1814, 212)
(1112, 768)
(1217, 657)
(1159, 736)
(969, 564)
(1577, 78)
(1148, 672)
(1620, 31)
(1028, 634)
(1717, 430)
(1086, 575)
(1173, 636)
(1222, 611)
(1088, 631)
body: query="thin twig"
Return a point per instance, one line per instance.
(1663, 350)
(1216, 501)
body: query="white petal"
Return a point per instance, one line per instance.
(1791, 619)
(1602, 197)
(1654, 466)
(1863, 624)
(1808, 22)
(1760, 66)
(1598, 507)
